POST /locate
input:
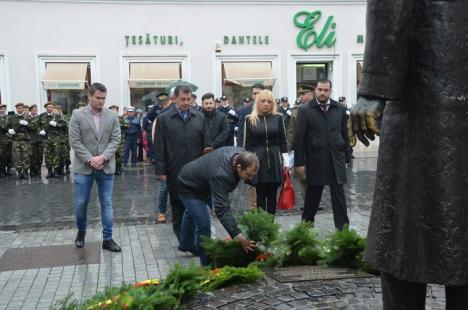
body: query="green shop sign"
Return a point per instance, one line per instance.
(151, 39)
(246, 40)
(309, 36)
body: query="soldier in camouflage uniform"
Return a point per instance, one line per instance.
(21, 128)
(49, 125)
(119, 155)
(5, 141)
(64, 161)
(36, 145)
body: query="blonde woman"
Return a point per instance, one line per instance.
(265, 135)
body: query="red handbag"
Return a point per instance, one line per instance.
(287, 197)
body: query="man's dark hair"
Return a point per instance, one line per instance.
(194, 96)
(182, 89)
(325, 81)
(207, 96)
(246, 159)
(96, 87)
(258, 86)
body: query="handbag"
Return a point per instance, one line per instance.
(287, 197)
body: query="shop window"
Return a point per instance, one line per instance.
(148, 79)
(239, 77)
(67, 83)
(310, 73)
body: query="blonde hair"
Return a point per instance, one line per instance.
(263, 95)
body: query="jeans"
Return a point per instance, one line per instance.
(196, 222)
(131, 144)
(83, 185)
(162, 197)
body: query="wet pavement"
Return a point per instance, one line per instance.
(39, 212)
(39, 203)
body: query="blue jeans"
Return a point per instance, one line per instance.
(131, 144)
(83, 186)
(162, 197)
(196, 222)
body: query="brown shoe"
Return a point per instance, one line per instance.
(162, 218)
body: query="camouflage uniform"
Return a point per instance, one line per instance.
(119, 155)
(5, 145)
(51, 141)
(37, 149)
(21, 144)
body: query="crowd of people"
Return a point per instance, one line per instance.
(176, 133)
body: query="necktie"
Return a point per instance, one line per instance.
(324, 107)
(184, 115)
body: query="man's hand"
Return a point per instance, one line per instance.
(97, 162)
(363, 122)
(42, 132)
(53, 123)
(23, 122)
(206, 150)
(162, 177)
(12, 132)
(300, 170)
(247, 245)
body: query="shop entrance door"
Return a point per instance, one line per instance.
(308, 73)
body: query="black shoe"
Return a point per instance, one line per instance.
(32, 172)
(50, 173)
(79, 240)
(193, 251)
(67, 169)
(110, 245)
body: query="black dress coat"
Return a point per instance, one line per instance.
(267, 139)
(416, 60)
(320, 143)
(178, 142)
(217, 129)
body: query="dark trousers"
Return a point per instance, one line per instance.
(177, 209)
(312, 201)
(403, 295)
(266, 197)
(131, 144)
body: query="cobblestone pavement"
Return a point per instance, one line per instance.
(40, 213)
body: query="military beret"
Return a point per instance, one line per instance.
(131, 109)
(223, 98)
(3, 105)
(284, 99)
(19, 104)
(246, 99)
(114, 107)
(32, 106)
(218, 100)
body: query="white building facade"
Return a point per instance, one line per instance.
(52, 50)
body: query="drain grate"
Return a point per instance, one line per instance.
(50, 256)
(313, 273)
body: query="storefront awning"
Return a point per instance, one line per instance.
(247, 74)
(65, 75)
(153, 74)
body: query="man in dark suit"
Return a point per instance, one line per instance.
(179, 138)
(217, 127)
(320, 146)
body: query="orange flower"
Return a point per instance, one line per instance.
(262, 257)
(215, 271)
(147, 283)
